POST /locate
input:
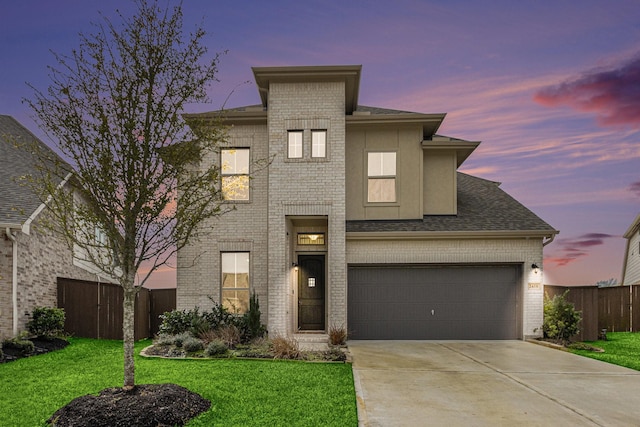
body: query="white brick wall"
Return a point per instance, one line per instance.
(309, 187)
(520, 251)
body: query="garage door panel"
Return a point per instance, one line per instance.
(443, 302)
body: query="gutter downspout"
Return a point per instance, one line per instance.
(14, 285)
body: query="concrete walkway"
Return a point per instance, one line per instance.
(488, 383)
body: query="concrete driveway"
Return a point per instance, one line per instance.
(488, 383)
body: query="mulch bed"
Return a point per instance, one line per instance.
(148, 405)
(41, 345)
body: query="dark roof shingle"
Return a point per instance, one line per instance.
(17, 202)
(482, 206)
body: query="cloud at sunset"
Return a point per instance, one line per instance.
(570, 250)
(635, 188)
(612, 94)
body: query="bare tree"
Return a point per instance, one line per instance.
(114, 109)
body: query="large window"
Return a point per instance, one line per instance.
(381, 183)
(318, 143)
(235, 173)
(294, 144)
(235, 281)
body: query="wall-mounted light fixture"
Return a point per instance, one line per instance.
(295, 266)
(535, 268)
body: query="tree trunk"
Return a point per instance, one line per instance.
(128, 338)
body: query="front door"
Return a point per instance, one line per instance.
(311, 292)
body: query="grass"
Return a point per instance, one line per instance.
(621, 348)
(242, 392)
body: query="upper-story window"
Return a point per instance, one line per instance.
(318, 143)
(235, 173)
(294, 144)
(381, 183)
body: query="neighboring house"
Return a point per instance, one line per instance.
(361, 221)
(631, 267)
(31, 256)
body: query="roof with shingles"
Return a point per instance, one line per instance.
(17, 202)
(482, 206)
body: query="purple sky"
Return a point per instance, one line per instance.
(551, 88)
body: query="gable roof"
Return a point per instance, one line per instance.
(635, 226)
(17, 202)
(483, 207)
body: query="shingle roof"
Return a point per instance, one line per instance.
(17, 202)
(379, 110)
(482, 206)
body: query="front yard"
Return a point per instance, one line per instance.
(242, 392)
(621, 348)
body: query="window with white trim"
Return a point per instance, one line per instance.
(294, 144)
(381, 172)
(235, 173)
(318, 143)
(235, 281)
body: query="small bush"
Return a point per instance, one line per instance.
(164, 339)
(178, 321)
(25, 346)
(218, 316)
(285, 348)
(337, 335)
(192, 345)
(229, 334)
(179, 339)
(251, 324)
(216, 348)
(560, 318)
(46, 322)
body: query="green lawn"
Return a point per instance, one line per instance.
(621, 348)
(242, 392)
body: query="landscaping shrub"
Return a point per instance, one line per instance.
(219, 316)
(560, 318)
(178, 321)
(337, 335)
(46, 322)
(24, 346)
(216, 348)
(285, 348)
(192, 344)
(164, 339)
(251, 324)
(229, 334)
(179, 339)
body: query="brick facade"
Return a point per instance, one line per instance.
(42, 258)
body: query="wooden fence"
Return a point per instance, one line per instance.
(94, 310)
(616, 308)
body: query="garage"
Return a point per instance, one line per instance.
(434, 302)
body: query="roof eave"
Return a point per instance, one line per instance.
(350, 74)
(633, 228)
(448, 235)
(430, 122)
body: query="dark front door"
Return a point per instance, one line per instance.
(311, 292)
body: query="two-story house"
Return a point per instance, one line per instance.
(362, 221)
